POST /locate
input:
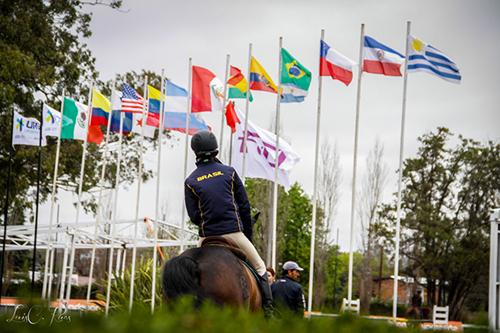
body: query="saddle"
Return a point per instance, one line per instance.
(226, 243)
(231, 246)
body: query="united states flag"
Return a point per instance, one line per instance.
(131, 100)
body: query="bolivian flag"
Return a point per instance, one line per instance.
(238, 85)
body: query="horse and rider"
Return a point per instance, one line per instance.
(216, 201)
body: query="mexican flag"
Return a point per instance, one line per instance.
(75, 120)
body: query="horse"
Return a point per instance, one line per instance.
(211, 273)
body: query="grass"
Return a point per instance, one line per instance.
(183, 318)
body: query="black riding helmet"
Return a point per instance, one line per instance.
(204, 144)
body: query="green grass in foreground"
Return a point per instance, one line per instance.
(182, 318)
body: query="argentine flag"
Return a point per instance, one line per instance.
(425, 58)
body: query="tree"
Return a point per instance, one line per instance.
(446, 200)
(328, 196)
(41, 52)
(372, 187)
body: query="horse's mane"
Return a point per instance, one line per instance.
(183, 275)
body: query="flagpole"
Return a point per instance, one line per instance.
(49, 256)
(231, 149)
(400, 180)
(79, 203)
(157, 202)
(354, 164)
(228, 58)
(37, 201)
(115, 207)
(247, 107)
(145, 104)
(99, 204)
(315, 188)
(276, 159)
(6, 207)
(188, 115)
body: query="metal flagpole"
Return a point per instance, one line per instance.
(247, 107)
(354, 164)
(115, 208)
(99, 204)
(400, 179)
(231, 149)
(49, 255)
(139, 183)
(315, 188)
(276, 159)
(37, 201)
(79, 203)
(157, 202)
(228, 58)
(188, 115)
(6, 206)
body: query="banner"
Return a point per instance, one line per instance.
(26, 131)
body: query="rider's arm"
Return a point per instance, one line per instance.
(192, 204)
(241, 198)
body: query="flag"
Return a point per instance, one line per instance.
(259, 79)
(176, 121)
(231, 117)
(26, 131)
(381, 59)
(75, 116)
(51, 121)
(333, 63)
(101, 107)
(131, 100)
(238, 85)
(154, 97)
(176, 99)
(295, 79)
(423, 57)
(138, 123)
(116, 104)
(208, 91)
(261, 151)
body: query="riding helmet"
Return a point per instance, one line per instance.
(204, 143)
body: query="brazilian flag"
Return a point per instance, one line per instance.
(295, 79)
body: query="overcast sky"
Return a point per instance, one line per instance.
(164, 34)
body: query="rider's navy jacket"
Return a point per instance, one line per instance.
(288, 293)
(216, 200)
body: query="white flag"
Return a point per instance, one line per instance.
(261, 154)
(26, 131)
(51, 121)
(138, 123)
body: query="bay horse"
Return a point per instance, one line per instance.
(211, 273)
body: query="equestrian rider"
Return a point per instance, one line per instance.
(217, 203)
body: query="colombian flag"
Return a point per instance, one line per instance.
(238, 86)
(154, 96)
(259, 79)
(101, 107)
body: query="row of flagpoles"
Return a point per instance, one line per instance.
(172, 105)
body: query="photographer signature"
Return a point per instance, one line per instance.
(36, 314)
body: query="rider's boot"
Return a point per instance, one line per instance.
(267, 296)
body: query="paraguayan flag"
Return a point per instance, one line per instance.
(424, 58)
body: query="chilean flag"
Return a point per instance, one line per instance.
(335, 64)
(381, 59)
(208, 91)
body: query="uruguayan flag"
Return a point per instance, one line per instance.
(425, 58)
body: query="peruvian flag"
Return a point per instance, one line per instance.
(208, 91)
(381, 59)
(231, 117)
(333, 63)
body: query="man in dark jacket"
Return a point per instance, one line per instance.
(287, 292)
(216, 201)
